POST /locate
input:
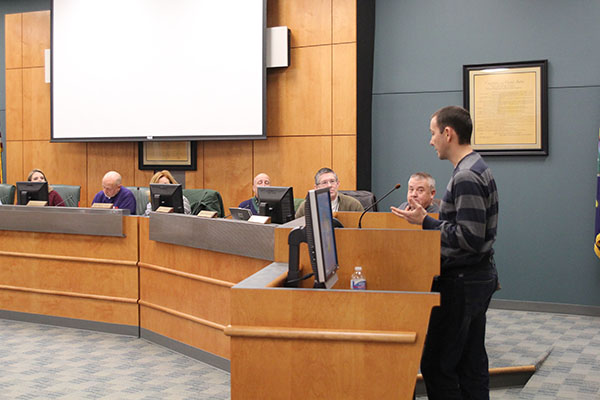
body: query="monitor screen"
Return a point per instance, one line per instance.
(320, 236)
(166, 195)
(276, 202)
(27, 191)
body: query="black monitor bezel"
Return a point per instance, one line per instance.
(37, 191)
(272, 198)
(173, 194)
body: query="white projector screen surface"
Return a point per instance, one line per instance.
(157, 69)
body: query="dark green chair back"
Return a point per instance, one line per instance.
(7, 193)
(205, 199)
(297, 203)
(142, 198)
(69, 193)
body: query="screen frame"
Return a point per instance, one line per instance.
(172, 191)
(316, 215)
(35, 191)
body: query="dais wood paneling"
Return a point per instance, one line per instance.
(344, 21)
(14, 104)
(293, 161)
(36, 105)
(36, 38)
(228, 169)
(344, 88)
(61, 162)
(309, 20)
(299, 97)
(14, 161)
(12, 46)
(344, 161)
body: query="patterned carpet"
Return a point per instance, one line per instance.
(47, 362)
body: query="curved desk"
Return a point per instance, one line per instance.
(69, 263)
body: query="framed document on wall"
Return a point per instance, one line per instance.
(508, 103)
(167, 155)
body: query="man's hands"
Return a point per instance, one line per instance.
(414, 213)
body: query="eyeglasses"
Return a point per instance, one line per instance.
(330, 182)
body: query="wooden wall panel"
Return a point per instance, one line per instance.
(293, 161)
(14, 104)
(309, 20)
(195, 179)
(344, 21)
(12, 47)
(36, 105)
(228, 169)
(36, 37)
(104, 157)
(61, 162)
(344, 161)
(299, 97)
(344, 88)
(14, 161)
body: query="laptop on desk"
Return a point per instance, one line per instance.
(242, 214)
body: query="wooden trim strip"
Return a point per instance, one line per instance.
(68, 258)
(182, 274)
(179, 314)
(321, 334)
(69, 294)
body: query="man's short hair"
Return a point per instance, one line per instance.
(458, 119)
(323, 171)
(425, 176)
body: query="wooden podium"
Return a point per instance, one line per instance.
(304, 343)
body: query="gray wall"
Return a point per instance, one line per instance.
(544, 249)
(12, 7)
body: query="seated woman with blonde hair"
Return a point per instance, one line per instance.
(165, 177)
(54, 199)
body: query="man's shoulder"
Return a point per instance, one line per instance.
(245, 203)
(349, 203)
(126, 191)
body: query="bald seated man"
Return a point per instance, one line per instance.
(261, 179)
(327, 178)
(113, 192)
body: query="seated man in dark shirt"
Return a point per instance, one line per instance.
(261, 179)
(113, 192)
(421, 188)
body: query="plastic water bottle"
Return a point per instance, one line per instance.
(358, 280)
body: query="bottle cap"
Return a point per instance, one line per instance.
(358, 268)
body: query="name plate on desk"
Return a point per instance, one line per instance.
(72, 220)
(215, 234)
(37, 203)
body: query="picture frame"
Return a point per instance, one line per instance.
(508, 103)
(157, 155)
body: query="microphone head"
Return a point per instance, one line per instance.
(397, 186)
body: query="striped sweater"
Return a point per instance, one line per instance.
(468, 214)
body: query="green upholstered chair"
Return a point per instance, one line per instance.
(297, 203)
(205, 199)
(69, 193)
(142, 198)
(7, 193)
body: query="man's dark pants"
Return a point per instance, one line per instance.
(455, 363)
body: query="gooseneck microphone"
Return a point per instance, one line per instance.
(64, 200)
(374, 204)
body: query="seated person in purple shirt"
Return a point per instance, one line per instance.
(261, 179)
(113, 192)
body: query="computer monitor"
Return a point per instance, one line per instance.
(27, 191)
(320, 237)
(276, 202)
(166, 195)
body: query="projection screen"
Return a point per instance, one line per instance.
(158, 69)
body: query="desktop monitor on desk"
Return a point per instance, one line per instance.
(167, 195)
(276, 202)
(28, 191)
(319, 234)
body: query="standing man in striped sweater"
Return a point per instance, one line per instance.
(455, 363)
